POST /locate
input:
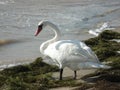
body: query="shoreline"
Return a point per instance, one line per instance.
(24, 61)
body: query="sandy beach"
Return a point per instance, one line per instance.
(117, 30)
(68, 74)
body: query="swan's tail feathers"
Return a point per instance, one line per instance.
(92, 65)
(105, 66)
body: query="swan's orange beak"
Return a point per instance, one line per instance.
(38, 31)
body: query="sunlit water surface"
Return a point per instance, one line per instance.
(19, 19)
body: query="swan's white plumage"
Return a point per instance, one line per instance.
(69, 53)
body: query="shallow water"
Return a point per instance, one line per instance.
(19, 19)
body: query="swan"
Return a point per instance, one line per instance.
(67, 53)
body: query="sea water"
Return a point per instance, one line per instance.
(19, 19)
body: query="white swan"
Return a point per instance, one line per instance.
(67, 53)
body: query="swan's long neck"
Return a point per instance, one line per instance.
(55, 38)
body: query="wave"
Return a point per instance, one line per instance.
(116, 40)
(11, 65)
(6, 42)
(4, 2)
(101, 14)
(97, 31)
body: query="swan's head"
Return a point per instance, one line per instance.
(41, 25)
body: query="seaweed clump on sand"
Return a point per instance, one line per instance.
(107, 51)
(99, 85)
(34, 76)
(103, 46)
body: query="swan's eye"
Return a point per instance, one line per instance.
(40, 26)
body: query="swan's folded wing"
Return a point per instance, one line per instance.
(72, 48)
(89, 52)
(77, 62)
(76, 59)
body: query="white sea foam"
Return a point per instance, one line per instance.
(116, 40)
(93, 32)
(4, 2)
(118, 52)
(99, 30)
(11, 65)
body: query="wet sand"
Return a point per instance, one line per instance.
(6, 42)
(68, 74)
(117, 30)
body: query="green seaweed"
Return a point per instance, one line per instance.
(103, 47)
(34, 76)
(106, 51)
(108, 35)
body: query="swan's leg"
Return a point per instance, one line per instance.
(75, 74)
(61, 72)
